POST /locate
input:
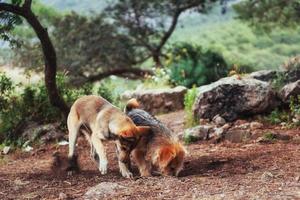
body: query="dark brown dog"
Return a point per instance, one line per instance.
(160, 150)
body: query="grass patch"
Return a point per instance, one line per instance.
(189, 99)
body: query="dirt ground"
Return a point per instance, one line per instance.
(212, 171)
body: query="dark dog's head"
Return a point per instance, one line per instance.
(169, 159)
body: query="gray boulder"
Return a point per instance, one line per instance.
(159, 100)
(233, 98)
(289, 90)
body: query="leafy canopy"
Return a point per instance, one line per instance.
(268, 14)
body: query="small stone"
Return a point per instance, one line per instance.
(256, 125)
(200, 132)
(62, 196)
(267, 176)
(297, 179)
(6, 150)
(220, 121)
(103, 190)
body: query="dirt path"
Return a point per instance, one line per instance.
(212, 171)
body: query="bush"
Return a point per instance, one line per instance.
(31, 103)
(189, 100)
(191, 65)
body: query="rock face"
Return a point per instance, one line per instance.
(159, 100)
(289, 90)
(233, 98)
(102, 191)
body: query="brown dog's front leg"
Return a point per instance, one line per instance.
(72, 165)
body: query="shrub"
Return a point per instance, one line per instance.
(31, 103)
(191, 65)
(189, 100)
(105, 93)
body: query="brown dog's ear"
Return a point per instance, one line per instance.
(143, 130)
(166, 154)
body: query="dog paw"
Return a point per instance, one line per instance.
(103, 167)
(71, 170)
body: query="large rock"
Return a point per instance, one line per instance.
(102, 191)
(234, 98)
(159, 100)
(290, 90)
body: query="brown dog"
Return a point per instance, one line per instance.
(160, 149)
(105, 121)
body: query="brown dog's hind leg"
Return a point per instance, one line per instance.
(72, 165)
(73, 127)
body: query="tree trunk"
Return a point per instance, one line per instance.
(156, 59)
(48, 52)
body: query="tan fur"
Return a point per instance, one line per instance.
(105, 122)
(162, 151)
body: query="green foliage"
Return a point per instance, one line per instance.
(106, 93)
(278, 116)
(267, 14)
(269, 136)
(191, 65)
(279, 81)
(189, 99)
(31, 103)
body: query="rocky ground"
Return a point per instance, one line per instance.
(224, 170)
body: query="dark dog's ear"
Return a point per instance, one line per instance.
(143, 130)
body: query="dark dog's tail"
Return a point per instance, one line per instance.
(131, 104)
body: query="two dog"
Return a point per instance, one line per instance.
(99, 120)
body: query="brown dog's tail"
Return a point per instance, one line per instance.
(131, 104)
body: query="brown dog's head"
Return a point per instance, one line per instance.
(169, 159)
